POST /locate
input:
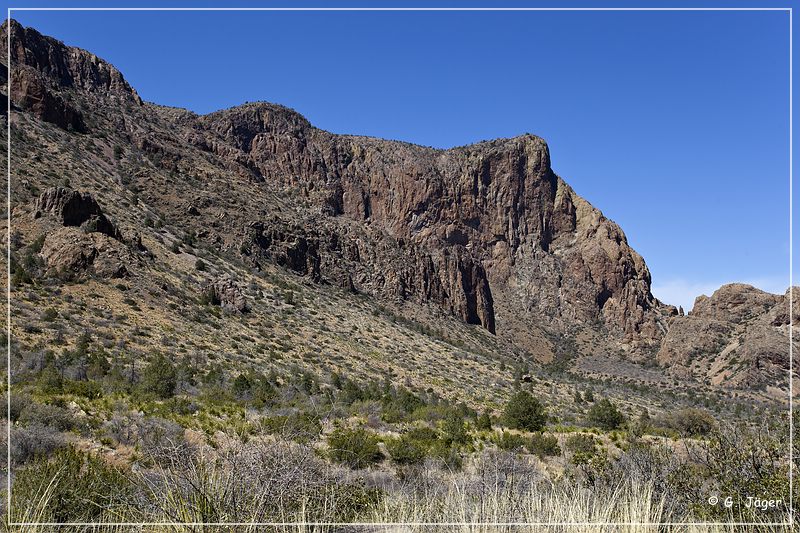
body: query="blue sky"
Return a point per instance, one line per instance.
(674, 124)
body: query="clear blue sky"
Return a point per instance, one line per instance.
(674, 124)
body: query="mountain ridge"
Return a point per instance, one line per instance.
(486, 232)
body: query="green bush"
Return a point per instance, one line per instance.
(605, 415)
(87, 389)
(424, 435)
(525, 412)
(300, 427)
(484, 422)
(449, 455)
(690, 422)
(544, 445)
(78, 487)
(406, 451)
(581, 443)
(397, 406)
(263, 391)
(241, 385)
(454, 431)
(356, 448)
(510, 441)
(50, 380)
(159, 378)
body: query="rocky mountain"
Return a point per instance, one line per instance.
(736, 337)
(485, 233)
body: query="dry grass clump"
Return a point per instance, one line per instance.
(290, 486)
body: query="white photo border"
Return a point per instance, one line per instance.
(9, 521)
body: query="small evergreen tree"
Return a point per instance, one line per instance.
(454, 432)
(525, 412)
(606, 415)
(241, 385)
(159, 378)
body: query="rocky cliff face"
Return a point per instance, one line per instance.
(63, 66)
(487, 232)
(495, 206)
(738, 337)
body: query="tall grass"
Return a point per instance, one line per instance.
(281, 482)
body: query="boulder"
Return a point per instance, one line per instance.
(73, 208)
(227, 294)
(72, 254)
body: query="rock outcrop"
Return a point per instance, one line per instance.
(738, 337)
(80, 241)
(372, 262)
(30, 91)
(70, 253)
(63, 66)
(227, 294)
(73, 208)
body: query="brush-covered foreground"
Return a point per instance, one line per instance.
(301, 448)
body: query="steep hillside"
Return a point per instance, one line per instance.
(115, 199)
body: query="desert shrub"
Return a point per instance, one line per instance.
(501, 471)
(261, 481)
(581, 442)
(605, 415)
(86, 389)
(509, 441)
(406, 450)
(448, 455)
(50, 380)
(159, 378)
(263, 391)
(149, 434)
(454, 430)
(288, 297)
(423, 434)
(525, 412)
(19, 400)
(690, 422)
(301, 427)
(740, 462)
(36, 245)
(79, 487)
(20, 275)
(241, 385)
(484, 422)
(654, 465)
(588, 458)
(356, 448)
(98, 365)
(35, 440)
(52, 416)
(399, 404)
(543, 445)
